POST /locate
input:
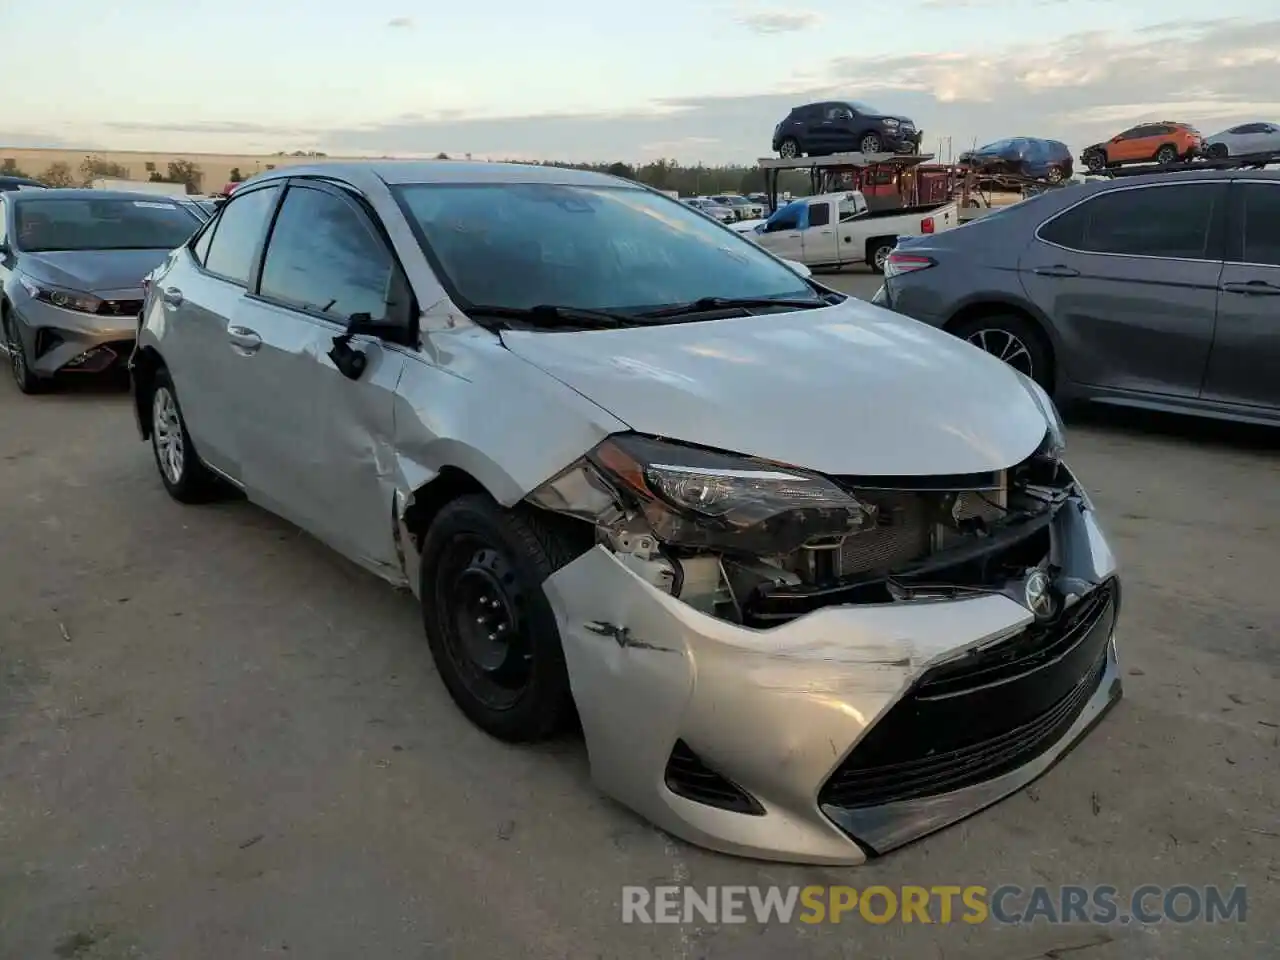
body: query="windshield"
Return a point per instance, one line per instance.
(520, 245)
(92, 224)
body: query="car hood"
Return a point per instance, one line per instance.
(92, 271)
(1094, 146)
(849, 389)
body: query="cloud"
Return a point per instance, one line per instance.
(779, 21)
(400, 23)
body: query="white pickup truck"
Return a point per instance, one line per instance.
(836, 229)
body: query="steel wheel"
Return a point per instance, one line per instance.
(1005, 346)
(484, 625)
(167, 432)
(870, 144)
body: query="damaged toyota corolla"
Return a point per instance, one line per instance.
(813, 577)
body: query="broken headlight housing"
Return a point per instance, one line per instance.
(704, 499)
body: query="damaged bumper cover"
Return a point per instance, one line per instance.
(847, 731)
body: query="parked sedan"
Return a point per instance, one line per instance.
(1157, 291)
(1245, 139)
(818, 129)
(577, 418)
(716, 211)
(1030, 157)
(71, 270)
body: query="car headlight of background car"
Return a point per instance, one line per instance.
(66, 299)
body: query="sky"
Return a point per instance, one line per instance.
(692, 80)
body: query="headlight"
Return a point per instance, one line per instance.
(1056, 434)
(891, 123)
(66, 299)
(702, 498)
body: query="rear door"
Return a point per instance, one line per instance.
(1244, 366)
(199, 296)
(316, 449)
(1130, 277)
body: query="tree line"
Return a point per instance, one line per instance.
(697, 180)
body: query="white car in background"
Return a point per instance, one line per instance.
(744, 208)
(715, 211)
(1245, 139)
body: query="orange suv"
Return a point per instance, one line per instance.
(1165, 142)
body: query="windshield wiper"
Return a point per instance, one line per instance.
(554, 315)
(707, 304)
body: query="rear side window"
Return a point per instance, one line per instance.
(324, 257)
(1166, 221)
(1260, 209)
(236, 235)
(819, 214)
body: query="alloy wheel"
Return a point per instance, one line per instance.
(1004, 346)
(870, 144)
(166, 426)
(788, 150)
(17, 359)
(881, 257)
(1054, 175)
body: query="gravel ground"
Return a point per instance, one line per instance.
(219, 740)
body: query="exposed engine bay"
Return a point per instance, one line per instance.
(759, 543)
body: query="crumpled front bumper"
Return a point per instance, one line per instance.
(777, 712)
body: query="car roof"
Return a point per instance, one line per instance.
(1185, 176)
(74, 193)
(394, 172)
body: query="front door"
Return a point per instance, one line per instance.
(1244, 366)
(782, 234)
(317, 446)
(1130, 280)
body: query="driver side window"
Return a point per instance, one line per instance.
(789, 222)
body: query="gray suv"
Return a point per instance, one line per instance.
(1157, 291)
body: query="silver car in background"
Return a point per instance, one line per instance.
(815, 577)
(716, 211)
(72, 263)
(1244, 140)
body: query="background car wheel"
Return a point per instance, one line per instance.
(491, 629)
(1096, 162)
(878, 253)
(789, 148)
(1166, 155)
(1015, 340)
(871, 143)
(1054, 175)
(184, 476)
(27, 381)
(1218, 151)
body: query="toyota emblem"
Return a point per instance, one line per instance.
(1038, 598)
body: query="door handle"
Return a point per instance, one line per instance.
(243, 340)
(172, 297)
(1255, 288)
(826, 233)
(1057, 270)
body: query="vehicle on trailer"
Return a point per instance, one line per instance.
(1244, 140)
(1029, 157)
(1149, 291)
(72, 264)
(845, 126)
(10, 184)
(1164, 143)
(577, 418)
(716, 211)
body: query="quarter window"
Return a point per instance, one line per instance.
(1166, 221)
(200, 249)
(1260, 208)
(236, 236)
(324, 257)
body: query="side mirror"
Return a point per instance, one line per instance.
(799, 268)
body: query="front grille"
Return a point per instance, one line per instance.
(974, 719)
(687, 776)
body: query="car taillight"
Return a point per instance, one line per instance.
(900, 263)
(926, 225)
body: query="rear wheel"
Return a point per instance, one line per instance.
(878, 253)
(184, 476)
(1166, 155)
(1015, 340)
(871, 143)
(1054, 174)
(789, 148)
(490, 626)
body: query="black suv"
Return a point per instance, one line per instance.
(845, 126)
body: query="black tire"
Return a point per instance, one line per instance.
(1167, 154)
(789, 148)
(478, 557)
(27, 381)
(1218, 151)
(997, 334)
(1054, 174)
(1095, 161)
(186, 478)
(870, 143)
(878, 250)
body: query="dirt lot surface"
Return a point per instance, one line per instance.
(218, 740)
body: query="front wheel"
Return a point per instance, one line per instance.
(789, 148)
(1015, 340)
(871, 143)
(26, 380)
(491, 629)
(1218, 151)
(1096, 162)
(1166, 155)
(185, 477)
